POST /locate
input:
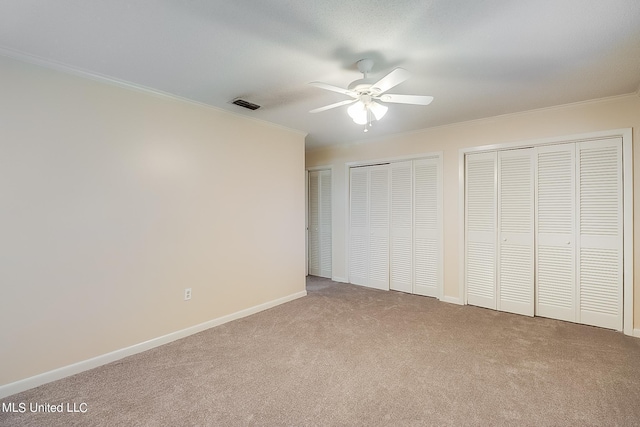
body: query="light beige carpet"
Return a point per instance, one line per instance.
(347, 355)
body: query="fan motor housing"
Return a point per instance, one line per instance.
(361, 85)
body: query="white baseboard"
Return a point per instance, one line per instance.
(94, 362)
(340, 279)
(451, 300)
(636, 333)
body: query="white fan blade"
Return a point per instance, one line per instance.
(334, 88)
(337, 104)
(406, 99)
(392, 79)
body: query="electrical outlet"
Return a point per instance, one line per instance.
(187, 294)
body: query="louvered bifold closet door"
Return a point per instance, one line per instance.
(325, 224)
(379, 227)
(314, 224)
(600, 233)
(480, 222)
(427, 259)
(515, 263)
(555, 216)
(359, 226)
(401, 235)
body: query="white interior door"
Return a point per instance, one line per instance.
(325, 224)
(379, 226)
(396, 215)
(359, 226)
(578, 227)
(515, 263)
(480, 222)
(369, 226)
(427, 256)
(401, 230)
(314, 224)
(600, 233)
(556, 242)
(319, 243)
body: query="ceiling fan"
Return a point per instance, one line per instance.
(366, 93)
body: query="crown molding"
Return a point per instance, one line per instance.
(123, 84)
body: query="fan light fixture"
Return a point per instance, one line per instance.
(365, 92)
(362, 111)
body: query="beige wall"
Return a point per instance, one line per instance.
(114, 201)
(598, 115)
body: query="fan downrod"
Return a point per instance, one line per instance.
(365, 66)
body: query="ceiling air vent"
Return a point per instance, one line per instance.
(246, 104)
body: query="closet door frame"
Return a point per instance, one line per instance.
(308, 212)
(627, 190)
(347, 201)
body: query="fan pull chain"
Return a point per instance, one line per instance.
(366, 128)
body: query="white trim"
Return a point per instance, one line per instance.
(451, 300)
(627, 158)
(373, 162)
(636, 333)
(102, 78)
(306, 222)
(582, 137)
(347, 229)
(334, 229)
(462, 294)
(339, 279)
(318, 168)
(94, 362)
(440, 192)
(627, 235)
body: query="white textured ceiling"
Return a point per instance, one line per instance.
(477, 58)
